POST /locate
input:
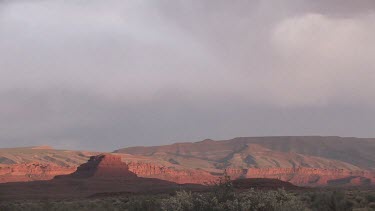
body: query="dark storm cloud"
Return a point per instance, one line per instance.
(108, 74)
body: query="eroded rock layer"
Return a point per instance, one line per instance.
(307, 161)
(31, 172)
(180, 176)
(103, 166)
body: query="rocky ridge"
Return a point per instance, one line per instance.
(107, 175)
(31, 172)
(293, 159)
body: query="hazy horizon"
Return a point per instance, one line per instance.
(102, 75)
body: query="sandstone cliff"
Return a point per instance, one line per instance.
(307, 161)
(103, 166)
(31, 171)
(181, 176)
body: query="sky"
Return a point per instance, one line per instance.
(102, 75)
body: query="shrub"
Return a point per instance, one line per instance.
(223, 189)
(143, 204)
(278, 200)
(371, 197)
(252, 200)
(372, 205)
(331, 201)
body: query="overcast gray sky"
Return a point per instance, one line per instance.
(101, 75)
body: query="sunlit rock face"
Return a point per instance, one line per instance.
(32, 171)
(181, 176)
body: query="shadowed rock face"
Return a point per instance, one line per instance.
(103, 166)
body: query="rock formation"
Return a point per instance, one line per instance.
(31, 171)
(102, 174)
(181, 176)
(306, 161)
(103, 166)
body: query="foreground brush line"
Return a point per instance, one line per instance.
(250, 200)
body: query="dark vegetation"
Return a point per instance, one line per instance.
(257, 200)
(222, 197)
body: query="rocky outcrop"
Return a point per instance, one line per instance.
(115, 166)
(102, 174)
(103, 166)
(31, 171)
(236, 173)
(111, 166)
(172, 174)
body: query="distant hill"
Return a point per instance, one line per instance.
(104, 173)
(44, 154)
(267, 152)
(301, 160)
(107, 175)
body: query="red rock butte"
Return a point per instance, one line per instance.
(103, 166)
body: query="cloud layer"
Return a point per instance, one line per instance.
(101, 75)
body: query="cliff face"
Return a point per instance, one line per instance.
(111, 167)
(307, 161)
(38, 163)
(304, 160)
(267, 152)
(103, 166)
(102, 174)
(180, 176)
(31, 171)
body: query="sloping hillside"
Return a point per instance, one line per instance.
(308, 160)
(44, 163)
(300, 160)
(266, 152)
(44, 155)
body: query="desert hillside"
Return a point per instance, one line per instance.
(267, 152)
(302, 160)
(299, 160)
